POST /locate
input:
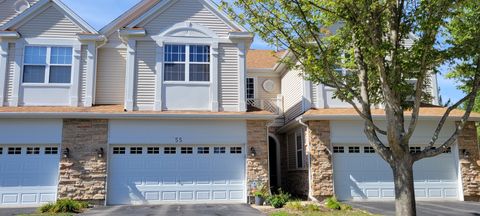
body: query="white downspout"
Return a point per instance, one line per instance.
(310, 190)
(94, 92)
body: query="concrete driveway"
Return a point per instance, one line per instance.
(154, 210)
(423, 208)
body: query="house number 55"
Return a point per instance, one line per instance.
(178, 140)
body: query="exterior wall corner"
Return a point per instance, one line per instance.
(257, 166)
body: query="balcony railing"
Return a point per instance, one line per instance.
(273, 105)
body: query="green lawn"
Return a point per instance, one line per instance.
(322, 213)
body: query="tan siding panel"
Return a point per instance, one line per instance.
(228, 74)
(10, 72)
(7, 10)
(145, 72)
(262, 94)
(110, 83)
(51, 23)
(187, 10)
(83, 73)
(313, 89)
(292, 91)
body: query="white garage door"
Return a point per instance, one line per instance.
(194, 173)
(360, 173)
(28, 174)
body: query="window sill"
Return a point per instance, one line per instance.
(198, 83)
(47, 85)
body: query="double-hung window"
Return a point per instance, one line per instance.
(299, 148)
(47, 64)
(187, 63)
(250, 88)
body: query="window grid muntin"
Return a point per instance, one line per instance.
(235, 150)
(14, 150)
(170, 150)
(219, 150)
(33, 150)
(186, 150)
(353, 149)
(51, 150)
(119, 150)
(153, 150)
(203, 150)
(368, 149)
(250, 88)
(136, 150)
(46, 63)
(185, 59)
(338, 149)
(415, 149)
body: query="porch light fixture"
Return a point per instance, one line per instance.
(253, 152)
(100, 152)
(66, 153)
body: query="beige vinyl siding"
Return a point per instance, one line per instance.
(50, 23)
(110, 83)
(10, 72)
(83, 73)
(228, 74)
(314, 94)
(261, 93)
(145, 73)
(7, 10)
(187, 10)
(292, 91)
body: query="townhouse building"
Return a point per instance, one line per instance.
(167, 103)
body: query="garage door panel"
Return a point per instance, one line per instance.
(363, 175)
(180, 176)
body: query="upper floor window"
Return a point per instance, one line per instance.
(187, 62)
(250, 88)
(47, 64)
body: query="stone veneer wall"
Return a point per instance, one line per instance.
(83, 173)
(257, 166)
(297, 183)
(470, 166)
(318, 135)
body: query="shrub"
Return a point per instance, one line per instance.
(279, 200)
(332, 203)
(64, 206)
(294, 205)
(280, 213)
(312, 207)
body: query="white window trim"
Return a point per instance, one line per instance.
(302, 149)
(46, 81)
(187, 64)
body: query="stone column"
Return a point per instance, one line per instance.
(470, 165)
(257, 166)
(321, 169)
(83, 173)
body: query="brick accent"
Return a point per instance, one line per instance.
(470, 166)
(257, 166)
(83, 173)
(318, 135)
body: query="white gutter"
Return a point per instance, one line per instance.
(85, 115)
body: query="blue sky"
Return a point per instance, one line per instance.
(104, 11)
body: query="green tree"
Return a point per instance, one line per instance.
(383, 45)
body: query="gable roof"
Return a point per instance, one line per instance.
(44, 4)
(129, 15)
(264, 59)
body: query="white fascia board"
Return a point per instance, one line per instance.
(377, 117)
(9, 35)
(43, 4)
(127, 115)
(158, 8)
(133, 32)
(241, 35)
(91, 37)
(115, 24)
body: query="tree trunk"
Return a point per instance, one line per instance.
(404, 188)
